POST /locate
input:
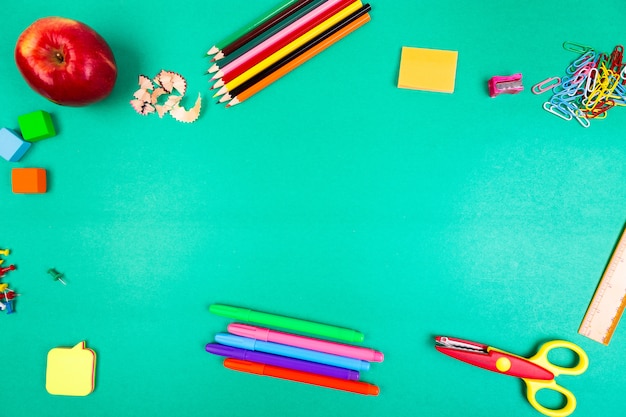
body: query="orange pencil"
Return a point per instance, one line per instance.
(288, 67)
(299, 376)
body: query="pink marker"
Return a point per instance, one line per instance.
(267, 335)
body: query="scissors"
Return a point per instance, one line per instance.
(537, 372)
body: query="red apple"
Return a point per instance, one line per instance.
(66, 61)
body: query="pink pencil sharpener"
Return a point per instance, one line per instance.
(511, 84)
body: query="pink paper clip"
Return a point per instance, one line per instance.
(546, 85)
(511, 84)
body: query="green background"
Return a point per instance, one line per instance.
(331, 196)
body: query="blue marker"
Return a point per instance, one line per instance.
(291, 352)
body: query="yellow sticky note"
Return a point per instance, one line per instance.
(427, 69)
(71, 371)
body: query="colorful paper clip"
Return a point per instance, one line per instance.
(545, 85)
(576, 47)
(505, 85)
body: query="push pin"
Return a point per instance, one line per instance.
(505, 85)
(57, 276)
(5, 252)
(6, 269)
(7, 296)
(9, 305)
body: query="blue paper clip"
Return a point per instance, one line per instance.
(581, 61)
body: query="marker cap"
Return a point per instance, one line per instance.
(249, 331)
(245, 366)
(237, 313)
(235, 341)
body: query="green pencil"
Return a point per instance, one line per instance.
(258, 21)
(244, 314)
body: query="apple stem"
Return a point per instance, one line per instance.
(59, 57)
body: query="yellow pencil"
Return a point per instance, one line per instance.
(299, 60)
(276, 56)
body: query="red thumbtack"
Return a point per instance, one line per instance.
(6, 269)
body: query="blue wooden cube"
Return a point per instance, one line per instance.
(12, 147)
(36, 126)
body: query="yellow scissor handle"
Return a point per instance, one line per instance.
(534, 386)
(541, 358)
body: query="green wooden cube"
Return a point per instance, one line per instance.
(36, 126)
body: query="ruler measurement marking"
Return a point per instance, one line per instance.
(609, 301)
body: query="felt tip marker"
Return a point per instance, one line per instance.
(357, 387)
(268, 335)
(282, 361)
(291, 352)
(325, 330)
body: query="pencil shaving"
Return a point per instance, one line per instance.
(142, 107)
(187, 116)
(171, 81)
(149, 97)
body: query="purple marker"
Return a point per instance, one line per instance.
(283, 361)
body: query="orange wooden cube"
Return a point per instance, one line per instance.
(28, 180)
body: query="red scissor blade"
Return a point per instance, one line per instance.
(491, 359)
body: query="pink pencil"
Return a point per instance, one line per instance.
(279, 40)
(267, 335)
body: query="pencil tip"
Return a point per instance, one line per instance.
(217, 84)
(218, 56)
(225, 98)
(217, 75)
(233, 102)
(214, 68)
(214, 49)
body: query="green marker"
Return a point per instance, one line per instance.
(244, 314)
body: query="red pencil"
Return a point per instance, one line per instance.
(279, 40)
(242, 40)
(299, 376)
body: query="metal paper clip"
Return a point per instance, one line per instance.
(545, 85)
(576, 47)
(511, 84)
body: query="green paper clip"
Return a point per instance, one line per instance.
(576, 47)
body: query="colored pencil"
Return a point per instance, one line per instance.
(269, 32)
(284, 37)
(286, 50)
(250, 26)
(268, 23)
(280, 69)
(299, 376)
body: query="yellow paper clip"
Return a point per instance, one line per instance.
(545, 85)
(576, 47)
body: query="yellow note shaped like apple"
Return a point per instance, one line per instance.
(71, 371)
